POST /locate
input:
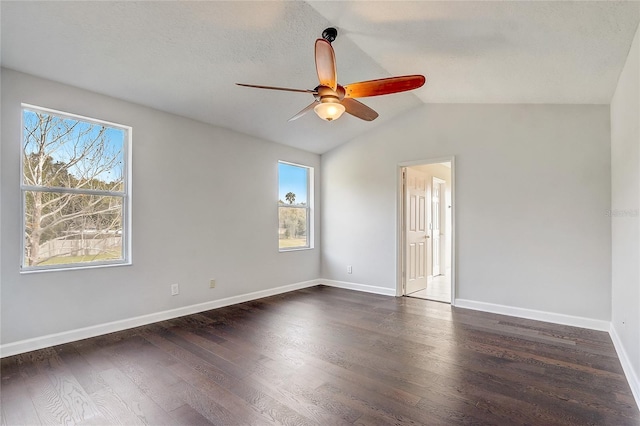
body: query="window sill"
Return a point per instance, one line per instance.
(294, 249)
(73, 268)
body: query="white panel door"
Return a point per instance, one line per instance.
(416, 233)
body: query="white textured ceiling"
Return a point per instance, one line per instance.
(184, 57)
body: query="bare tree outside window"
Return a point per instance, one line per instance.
(74, 189)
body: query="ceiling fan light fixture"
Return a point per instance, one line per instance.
(329, 108)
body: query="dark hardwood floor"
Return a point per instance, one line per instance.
(325, 356)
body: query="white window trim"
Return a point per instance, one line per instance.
(309, 207)
(125, 194)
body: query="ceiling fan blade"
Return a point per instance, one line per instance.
(286, 89)
(304, 111)
(383, 86)
(358, 109)
(326, 64)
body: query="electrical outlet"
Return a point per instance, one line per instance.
(212, 284)
(175, 289)
(349, 269)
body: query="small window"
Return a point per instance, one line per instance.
(75, 196)
(294, 206)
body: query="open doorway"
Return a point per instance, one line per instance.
(426, 231)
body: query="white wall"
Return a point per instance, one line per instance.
(204, 206)
(625, 220)
(532, 191)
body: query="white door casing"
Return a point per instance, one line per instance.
(448, 224)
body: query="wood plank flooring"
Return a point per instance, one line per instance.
(325, 356)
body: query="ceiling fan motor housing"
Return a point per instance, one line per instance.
(327, 99)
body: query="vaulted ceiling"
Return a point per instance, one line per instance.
(184, 57)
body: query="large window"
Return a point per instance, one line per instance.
(74, 190)
(294, 206)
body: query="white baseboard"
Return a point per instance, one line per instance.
(582, 322)
(629, 371)
(359, 287)
(100, 329)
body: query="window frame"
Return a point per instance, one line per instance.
(125, 194)
(309, 208)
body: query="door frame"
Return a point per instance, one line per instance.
(400, 212)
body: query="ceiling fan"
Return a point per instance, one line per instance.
(332, 99)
